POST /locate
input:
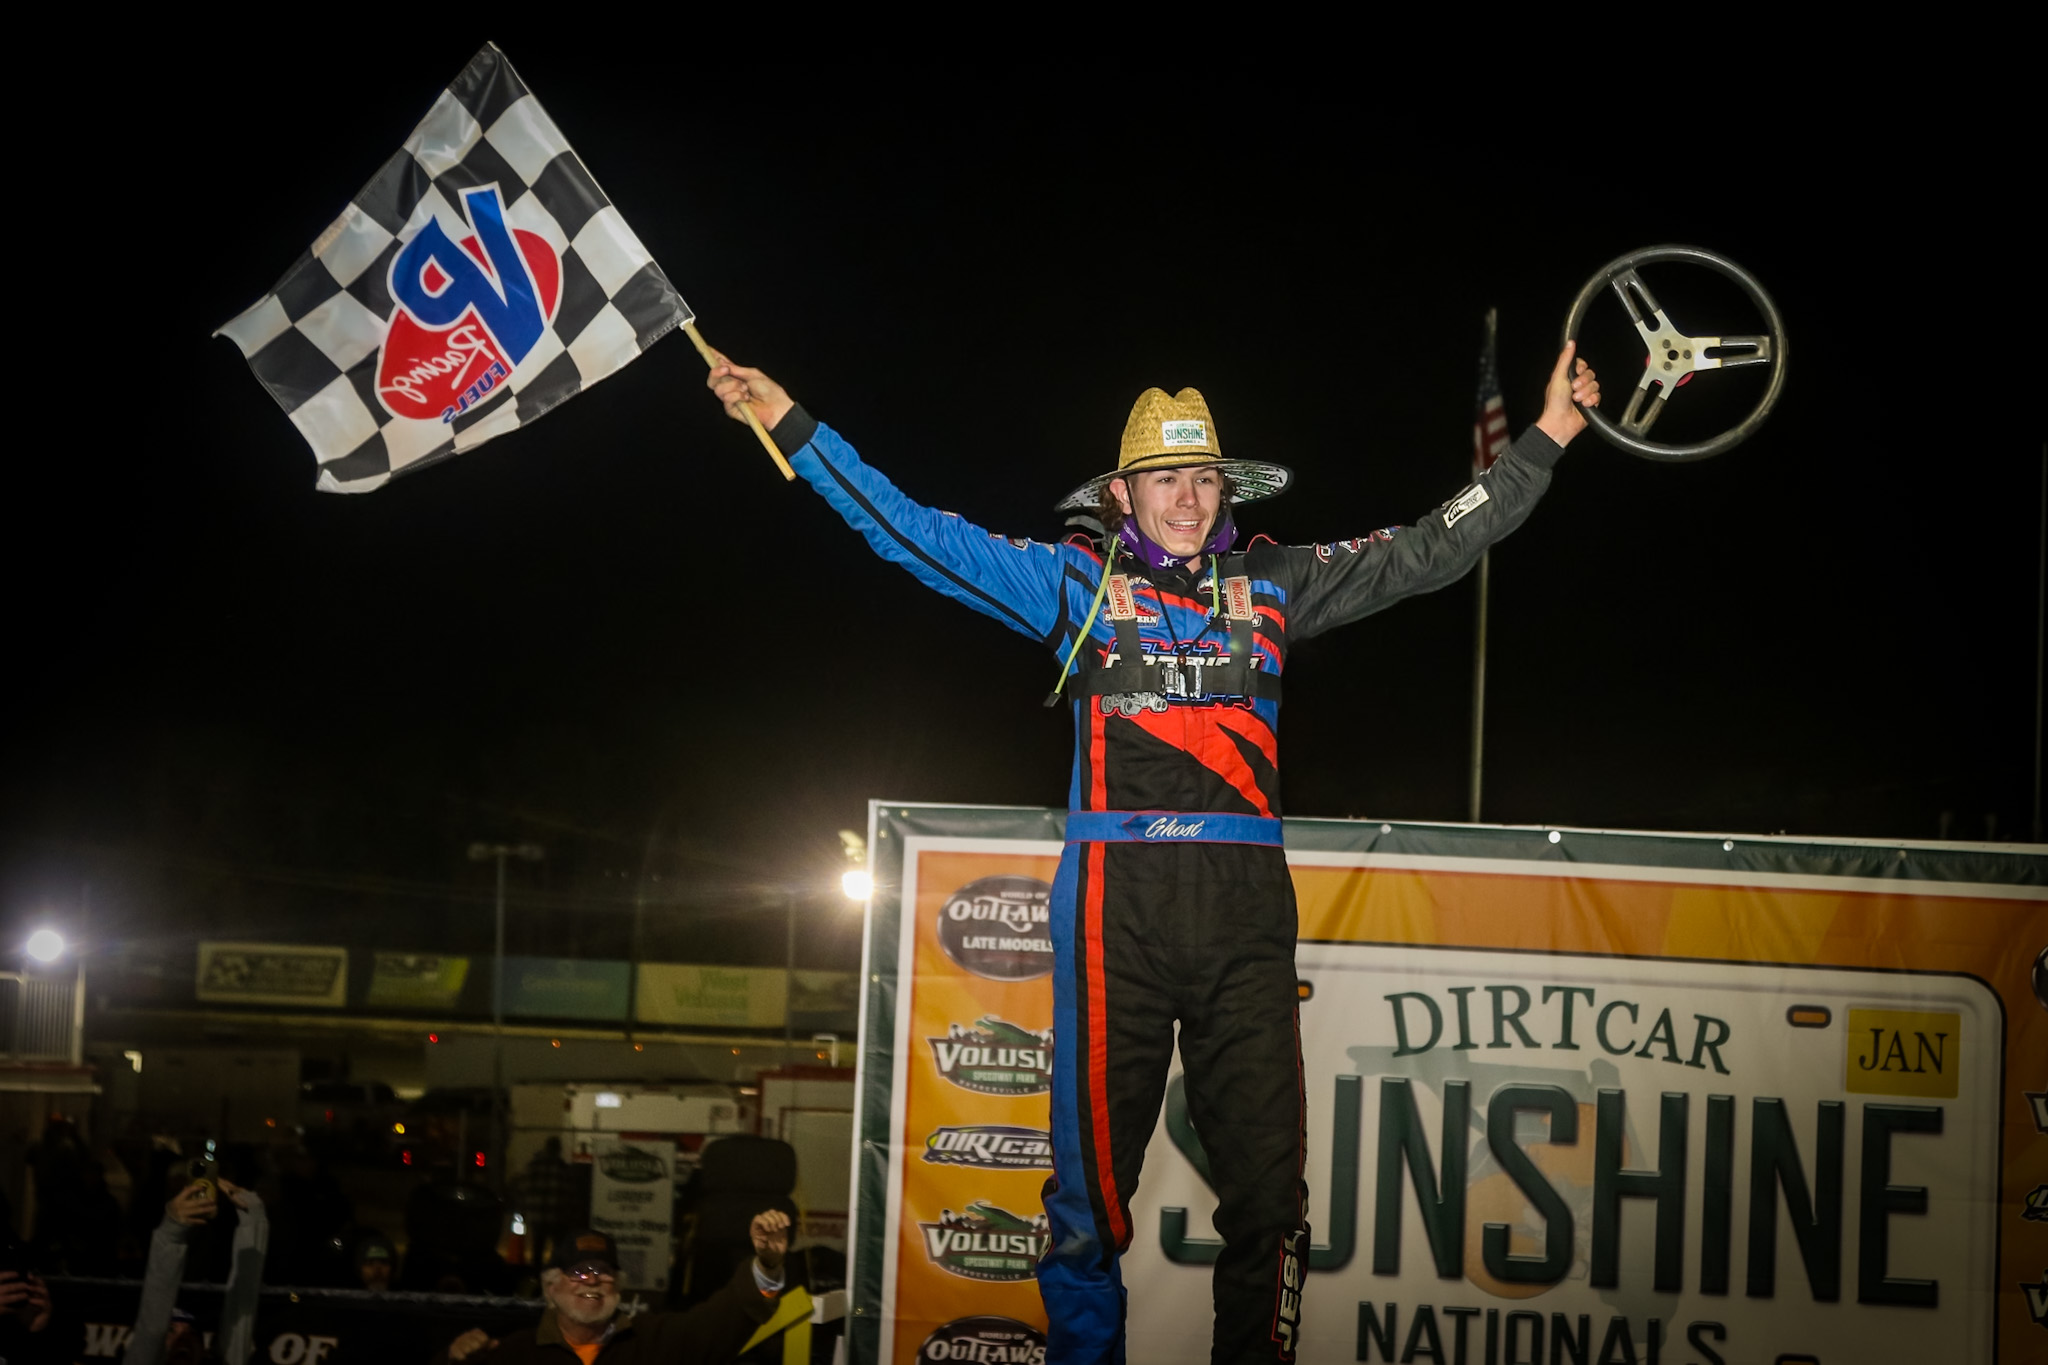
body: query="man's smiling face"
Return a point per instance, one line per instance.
(1175, 508)
(587, 1293)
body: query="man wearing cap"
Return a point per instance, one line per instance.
(374, 1260)
(582, 1322)
(1173, 901)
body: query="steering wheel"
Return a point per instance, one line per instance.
(1673, 355)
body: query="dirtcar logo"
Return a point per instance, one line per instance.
(991, 1147)
(1186, 432)
(999, 927)
(467, 311)
(995, 1058)
(986, 1242)
(984, 1340)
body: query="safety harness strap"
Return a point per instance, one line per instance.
(1191, 676)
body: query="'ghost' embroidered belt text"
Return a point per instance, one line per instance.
(1170, 827)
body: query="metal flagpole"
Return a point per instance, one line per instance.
(1489, 440)
(2040, 639)
(1479, 686)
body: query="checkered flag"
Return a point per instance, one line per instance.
(478, 280)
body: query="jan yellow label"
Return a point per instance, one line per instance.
(1903, 1052)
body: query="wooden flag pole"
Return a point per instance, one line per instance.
(713, 360)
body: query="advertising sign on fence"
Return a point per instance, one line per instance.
(416, 981)
(272, 974)
(632, 1197)
(1573, 1097)
(711, 997)
(566, 988)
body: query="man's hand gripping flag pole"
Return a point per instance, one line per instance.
(713, 360)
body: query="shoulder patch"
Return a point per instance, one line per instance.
(1466, 502)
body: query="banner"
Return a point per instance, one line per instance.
(1574, 1096)
(632, 1197)
(416, 982)
(701, 996)
(293, 1326)
(272, 974)
(479, 278)
(566, 988)
(711, 997)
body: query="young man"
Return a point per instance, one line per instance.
(1173, 900)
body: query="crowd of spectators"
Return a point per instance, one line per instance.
(239, 1217)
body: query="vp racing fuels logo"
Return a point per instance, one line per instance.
(985, 1242)
(467, 311)
(984, 1340)
(994, 1058)
(999, 927)
(990, 1147)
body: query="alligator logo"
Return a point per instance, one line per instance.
(995, 1057)
(986, 1242)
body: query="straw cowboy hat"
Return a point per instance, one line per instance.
(1172, 433)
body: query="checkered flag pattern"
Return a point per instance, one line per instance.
(315, 339)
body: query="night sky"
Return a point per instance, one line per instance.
(619, 633)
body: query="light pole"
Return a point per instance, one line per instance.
(789, 987)
(498, 853)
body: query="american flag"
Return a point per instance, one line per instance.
(1489, 418)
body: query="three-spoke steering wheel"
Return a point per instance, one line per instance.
(1674, 355)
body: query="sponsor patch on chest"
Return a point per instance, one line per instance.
(1237, 598)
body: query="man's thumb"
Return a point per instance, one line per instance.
(1563, 368)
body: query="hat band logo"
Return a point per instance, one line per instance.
(1183, 433)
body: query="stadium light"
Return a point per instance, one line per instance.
(45, 945)
(855, 881)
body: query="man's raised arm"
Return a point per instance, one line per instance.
(1016, 581)
(1349, 579)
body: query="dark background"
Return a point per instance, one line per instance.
(250, 709)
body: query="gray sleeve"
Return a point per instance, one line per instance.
(236, 1336)
(1341, 582)
(159, 1293)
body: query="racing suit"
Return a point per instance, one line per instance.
(1173, 901)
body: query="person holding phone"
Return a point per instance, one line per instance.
(165, 1336)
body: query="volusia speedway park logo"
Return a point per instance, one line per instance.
(999, 927)
(995, 1057)
(984, 1242)
(990, 1147)
(466, 313)
(984, 1340)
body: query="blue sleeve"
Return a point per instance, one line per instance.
(1018, 582)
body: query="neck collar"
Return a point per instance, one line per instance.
(1156, 555)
